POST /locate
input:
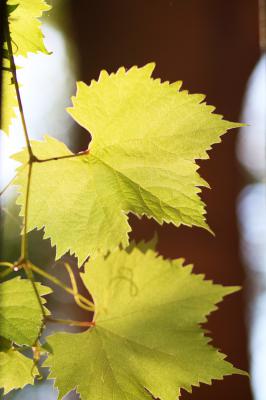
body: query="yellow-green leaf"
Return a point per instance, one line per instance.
(20, 312)
(146, 136)
(146, 339)
(16, 369)
(25, 26)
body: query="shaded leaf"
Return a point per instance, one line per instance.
(147, 338)
(20, 312)
(16, 370)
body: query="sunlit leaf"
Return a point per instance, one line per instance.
(146, 136)
(25, 26)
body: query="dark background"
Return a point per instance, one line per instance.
(212, 45)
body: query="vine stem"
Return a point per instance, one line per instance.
(15, 79)
(23, 255)
(67, 289)
(23, 261)
(24, 243)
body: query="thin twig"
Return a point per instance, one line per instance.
(23, 261)
(15, 79)
(24, 242)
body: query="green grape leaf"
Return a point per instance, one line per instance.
(9, 101)
(20, 312)
(146, 339)
(16, 369)
(26, 37)
(146, 138)
(24, 25)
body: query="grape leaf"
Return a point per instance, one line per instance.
(20, 313)
(26, 37)
(9, 101)
(24, 24)
(147, 339)
(146, 137)
(16, 370)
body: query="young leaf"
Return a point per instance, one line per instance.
(16, 370)
(146, 137)
(20, 312)
(147, 339)
(25, 26)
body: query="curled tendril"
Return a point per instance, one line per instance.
(16, 46)
(75, 289)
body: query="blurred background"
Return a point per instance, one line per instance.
(216, 47)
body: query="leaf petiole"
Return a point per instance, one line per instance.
(69, 322)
